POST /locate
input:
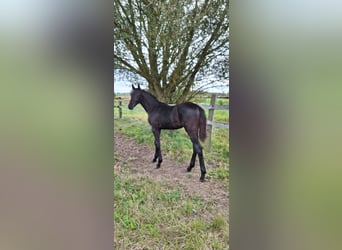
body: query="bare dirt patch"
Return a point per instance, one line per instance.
(138, 159)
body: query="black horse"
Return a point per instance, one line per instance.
(162, 116)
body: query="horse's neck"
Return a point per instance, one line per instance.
(149, 103)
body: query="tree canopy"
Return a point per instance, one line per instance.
(171, 43)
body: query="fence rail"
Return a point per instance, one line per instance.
(217, 124)
(210, 121)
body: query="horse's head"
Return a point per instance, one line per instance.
(136, 95)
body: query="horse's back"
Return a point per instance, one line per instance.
(188, 110)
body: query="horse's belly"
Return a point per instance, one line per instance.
(166, 119)
(170, 125)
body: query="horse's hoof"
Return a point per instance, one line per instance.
(157, 167)
(188, 169)
(154, 160)
(202, 179)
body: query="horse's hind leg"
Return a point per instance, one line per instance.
(157, 154)
(193, 160)
(197, 150)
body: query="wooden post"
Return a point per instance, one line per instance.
(211, 118)
(120, 108)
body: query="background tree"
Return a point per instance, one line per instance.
(171, 43)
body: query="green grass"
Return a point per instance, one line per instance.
(221, 116)
(177, 145)
(152, 215)
(149, 214)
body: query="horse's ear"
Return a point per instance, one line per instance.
(133, 86)
(138, 86)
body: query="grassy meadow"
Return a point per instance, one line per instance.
(149, 214)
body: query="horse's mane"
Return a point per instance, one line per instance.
(148, 93)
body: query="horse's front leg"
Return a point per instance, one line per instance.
(157, 146)
(157, 154)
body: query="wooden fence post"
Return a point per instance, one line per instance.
(211, 118)
(120, 108)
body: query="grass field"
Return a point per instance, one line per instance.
(150, 214)
(155, 215)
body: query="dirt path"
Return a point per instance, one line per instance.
(139, 158)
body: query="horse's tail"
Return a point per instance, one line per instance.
(202, 125)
